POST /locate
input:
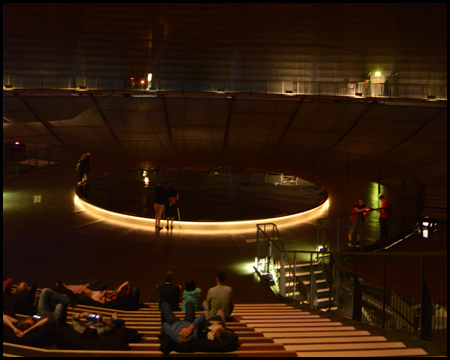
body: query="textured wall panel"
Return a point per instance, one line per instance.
(289, 42)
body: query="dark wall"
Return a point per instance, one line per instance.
(290, 42)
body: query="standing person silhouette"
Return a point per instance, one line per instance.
(160, 200)
(81, 167)
(171, 204)
(87, 166)
(356, 220)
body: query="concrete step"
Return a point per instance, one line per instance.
(276, 330)
(364, 353)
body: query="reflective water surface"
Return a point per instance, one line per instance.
(207, 195)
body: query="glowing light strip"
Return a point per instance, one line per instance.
(213, 226)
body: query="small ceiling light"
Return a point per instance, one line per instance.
(377, 73)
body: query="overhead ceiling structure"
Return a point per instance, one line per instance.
(223, 130)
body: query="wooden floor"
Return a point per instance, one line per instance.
(53, 239)
(264, 330)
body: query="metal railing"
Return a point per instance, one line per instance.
(20, 157)
(64, 83)
(402, 291)
(269, 257)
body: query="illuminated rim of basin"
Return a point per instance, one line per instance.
(199, 226)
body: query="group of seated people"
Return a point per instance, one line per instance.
(48, 310)
(187, 334)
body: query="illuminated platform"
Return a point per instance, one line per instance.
(211, 200)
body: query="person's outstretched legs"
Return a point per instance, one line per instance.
(44, 305)
(190, 312)
(167, 314)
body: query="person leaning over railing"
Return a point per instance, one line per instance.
(356, 220)
(384, 216)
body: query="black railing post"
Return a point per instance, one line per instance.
(426, 312)
(294, 276)
(357, 295)
(383, 319)
(338, 235)
(379, 182)
(330, 282)
(257, 244)
(311, 279)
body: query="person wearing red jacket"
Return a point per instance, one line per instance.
(384, 216)
(356, 220)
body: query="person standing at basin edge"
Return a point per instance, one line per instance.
(160, 200)
(171, 204)
(87, 166)
(81, 167)
(356, 220)
(384, 216)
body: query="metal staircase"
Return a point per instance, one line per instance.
(308, 285)
(303, 282)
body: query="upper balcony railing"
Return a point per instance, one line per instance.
(21, 157)
(387, 91)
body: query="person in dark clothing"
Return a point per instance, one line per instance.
(20, 301)
(46, 314)
(87, 166)
(81, 167)
(181, 331)
(160, 201)
(171, 207)
(169, 293)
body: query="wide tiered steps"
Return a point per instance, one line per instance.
(277, 330)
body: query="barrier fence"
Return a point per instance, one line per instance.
(19, 157)
(392, 290)
(121, 84)
(402, 291)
